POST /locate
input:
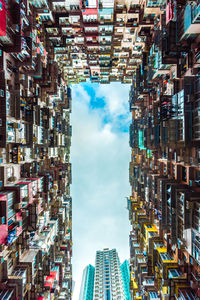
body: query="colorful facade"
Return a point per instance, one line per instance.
(44, 47)
(164, 167)
(35, 169)
(94, 39)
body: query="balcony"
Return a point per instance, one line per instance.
(92, 43)
(85, 5)
(153, 296)
(106, 21)
(175, 274)
(91, 33)
(191, 20)
(8, 294)
(170, 48)
(120, 21)
(120, 9)
(90, 20)
(105, 42)
(134, 9)
(148, 282)
(28, 259)
(132, 22)
(51, 281)
(146, 20)
(105, 30)
(19, 277)
(186, 293)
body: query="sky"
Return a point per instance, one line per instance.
(100, 157)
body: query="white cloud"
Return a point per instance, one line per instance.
(100, 162)
(116, 101)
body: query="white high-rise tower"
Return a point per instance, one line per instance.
(108, 282)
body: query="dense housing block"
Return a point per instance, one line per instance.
(46, 45)
(35, 169)
(164, 207)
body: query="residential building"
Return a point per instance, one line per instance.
(164, 168)
(94, 39)
(87, 285)
(125, 271)
(108, 280)
(35, 169)
(44, 47)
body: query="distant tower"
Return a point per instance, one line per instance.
(87, 284)
(126, 279)
(108, 282)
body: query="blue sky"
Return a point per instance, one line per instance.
(100, 156)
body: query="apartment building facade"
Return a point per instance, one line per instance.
(108, 280)
(94, 40)
(164, 168)
(44, 47)
(87, 285)
(35, 169)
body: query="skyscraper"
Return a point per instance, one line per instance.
(126, 278)
(111, 279)
(87, 285)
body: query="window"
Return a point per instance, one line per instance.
(2, 93)
(9, 172)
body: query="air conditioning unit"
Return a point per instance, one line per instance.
(37, 286)
(28, 286)
(13, 255)
(189, 204)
